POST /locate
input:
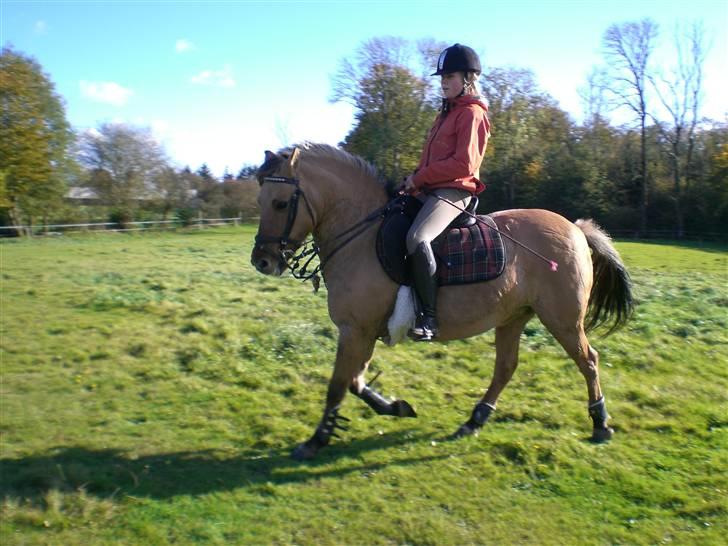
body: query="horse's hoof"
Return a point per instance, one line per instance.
(402, 408)
(304, 452)
(464, 431)
(600, 435)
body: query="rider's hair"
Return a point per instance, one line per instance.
(471, 83)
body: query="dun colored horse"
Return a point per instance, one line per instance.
(339, 192)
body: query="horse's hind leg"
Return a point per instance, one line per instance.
(576, 344)
(507, 341)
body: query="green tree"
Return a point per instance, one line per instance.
(706, 198)
(205, 173)
(514, 159)
(394, 107)
(34, 140)
(246, 172)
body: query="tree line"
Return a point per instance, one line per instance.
(113, 173)
(663, 170)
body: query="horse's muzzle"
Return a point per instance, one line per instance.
(266, 262)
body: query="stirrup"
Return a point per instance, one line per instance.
(422, 331)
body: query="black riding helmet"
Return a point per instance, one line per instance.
(457, 58)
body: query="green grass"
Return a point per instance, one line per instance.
(153, 386)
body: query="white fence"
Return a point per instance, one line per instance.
(59, 229)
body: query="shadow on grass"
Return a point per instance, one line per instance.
(112, 472)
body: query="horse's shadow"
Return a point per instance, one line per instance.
(112, 472)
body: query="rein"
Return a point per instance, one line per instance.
(554, 265)
(300, 261)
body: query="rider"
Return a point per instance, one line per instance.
(449, 169)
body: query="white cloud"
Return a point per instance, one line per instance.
(107, 92)
(183, 45)
(40, 27)
(217, 78)
(160, 130)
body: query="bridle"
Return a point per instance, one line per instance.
(307, 250)
(299, 258)
(285, 239)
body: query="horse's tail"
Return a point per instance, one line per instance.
(611, 294)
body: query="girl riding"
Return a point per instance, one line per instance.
(447, 173)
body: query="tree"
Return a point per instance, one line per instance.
(210, 194)
(34, 139)
(680, 94)
(706, 203)
(205, 173)
(394, 106)
(514, 157)
(123, 163)
(246, 172)
(172, 190)
(240, 198)
(627, 48)
(596, 150)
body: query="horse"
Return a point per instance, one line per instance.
(340, 191)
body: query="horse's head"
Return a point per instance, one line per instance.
(286, 216)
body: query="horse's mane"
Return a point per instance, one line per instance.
(321, 151)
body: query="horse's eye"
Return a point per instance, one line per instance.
(279, 205)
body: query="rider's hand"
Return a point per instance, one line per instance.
(408, 186)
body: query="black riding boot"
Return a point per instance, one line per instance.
(424, 279)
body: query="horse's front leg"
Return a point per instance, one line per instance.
(352, 356)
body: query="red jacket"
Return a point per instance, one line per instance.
(455, 147)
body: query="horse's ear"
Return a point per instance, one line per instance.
(293, 160)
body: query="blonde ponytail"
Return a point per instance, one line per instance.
(470, 81)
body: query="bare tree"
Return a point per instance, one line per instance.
(429, 50)
(283, 130)
(627, 48)
(680, 93)
(172, 190)
(592, 95)
(386, 51)
(123, 162)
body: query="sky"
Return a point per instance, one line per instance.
(221, 81)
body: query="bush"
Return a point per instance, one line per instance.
(184, 216)
(121, 218)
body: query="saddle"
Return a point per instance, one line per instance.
(467, 251)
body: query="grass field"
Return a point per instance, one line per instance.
(153, 386)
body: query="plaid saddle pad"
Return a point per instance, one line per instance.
(464, 255)
(470, 254)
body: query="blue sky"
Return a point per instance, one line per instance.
(222, 81)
